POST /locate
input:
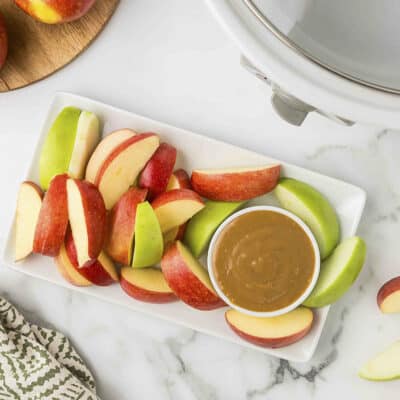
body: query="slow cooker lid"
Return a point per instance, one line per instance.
(358, 39)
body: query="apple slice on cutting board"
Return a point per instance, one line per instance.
(388, 297)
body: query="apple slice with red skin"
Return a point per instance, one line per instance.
(174, 234)
(121, 225)
(147, 284)
(87, 217)
(157, 172)
(388, 297)
(273, 332)
(188, 279)
(53, 218)
(3, 41)
(235, 184)
(179, 180)
(175, 207)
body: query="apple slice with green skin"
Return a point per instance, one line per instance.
(273, 332)
(122, 167)
(314, 209)
(179, 180)
(87, 217)
(203, 225)
(104, 149)
(383, 367)
(148, 237)
(188, 278)
(147, 285)
(388, 297)
(53, 218)
(3, 41)
(338, 272)
(175, 207)
(29, 203)
(235, 184)
(158, 170)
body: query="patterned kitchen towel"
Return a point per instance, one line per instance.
(38, 363)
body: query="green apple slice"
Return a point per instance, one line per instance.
(148, 237)
(338, 272)
(384, 366)
(58, 146)
(203, 224)
(314, 209)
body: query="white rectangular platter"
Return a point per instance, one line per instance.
(347, 199)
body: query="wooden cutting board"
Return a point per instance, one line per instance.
(36, 50)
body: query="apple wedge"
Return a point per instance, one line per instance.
(384, 366)
(87, 217)
(29, 203)
(104, 149)
(188, 279)
(237, 184)
(158, 170)
(273, 332)
(147, 285)
(174, 234)
(388, 297)
(121, 168)
(121, 225)
(175, 207)
(179, 180)
(53, 218)
(3, 41)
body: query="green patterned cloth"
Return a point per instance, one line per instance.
(38, 363)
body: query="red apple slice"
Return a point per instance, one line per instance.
(3, 41)
(158, 170)
(53, 218)
(29, 203)
(188, 279)
(87, 216)
(175, 207)
(146, 284)
(235, 184)
(179, 180)
(388, 298)
(174, 234)
(121, 225)
(121, 168)
(271, 332)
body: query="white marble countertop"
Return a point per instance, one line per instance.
(170, 61)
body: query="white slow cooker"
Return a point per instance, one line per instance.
(340, 58)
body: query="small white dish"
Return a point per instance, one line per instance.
(303, 226)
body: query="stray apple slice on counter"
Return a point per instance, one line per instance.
(273, 332)
(121, 225)
(314, 209)
(179, 180)
(147, 285)
(188, 278)
(388, 298)
(174, 234)
(87, 217)
(236, 184)
(121, 168)
(175, 207)
(29, 203)
(338, 272)
(148, 237)
(53, 218)
(384, 366)
(158, 170)
(104, 149)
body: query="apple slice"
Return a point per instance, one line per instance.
(148, 237)
(121, 168)
(179, 180)
(3, 41)
(121, 226)
(384, 366)
(175, 207)
(174, 234)
(188, 279)
(338, 272)
(87, 217)
(273, 332)
(158, 170)
(104, 149)
(388, 298)
(203, 225)
(235, 184)
(147, 285)
(29, 203)
(53, 218)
